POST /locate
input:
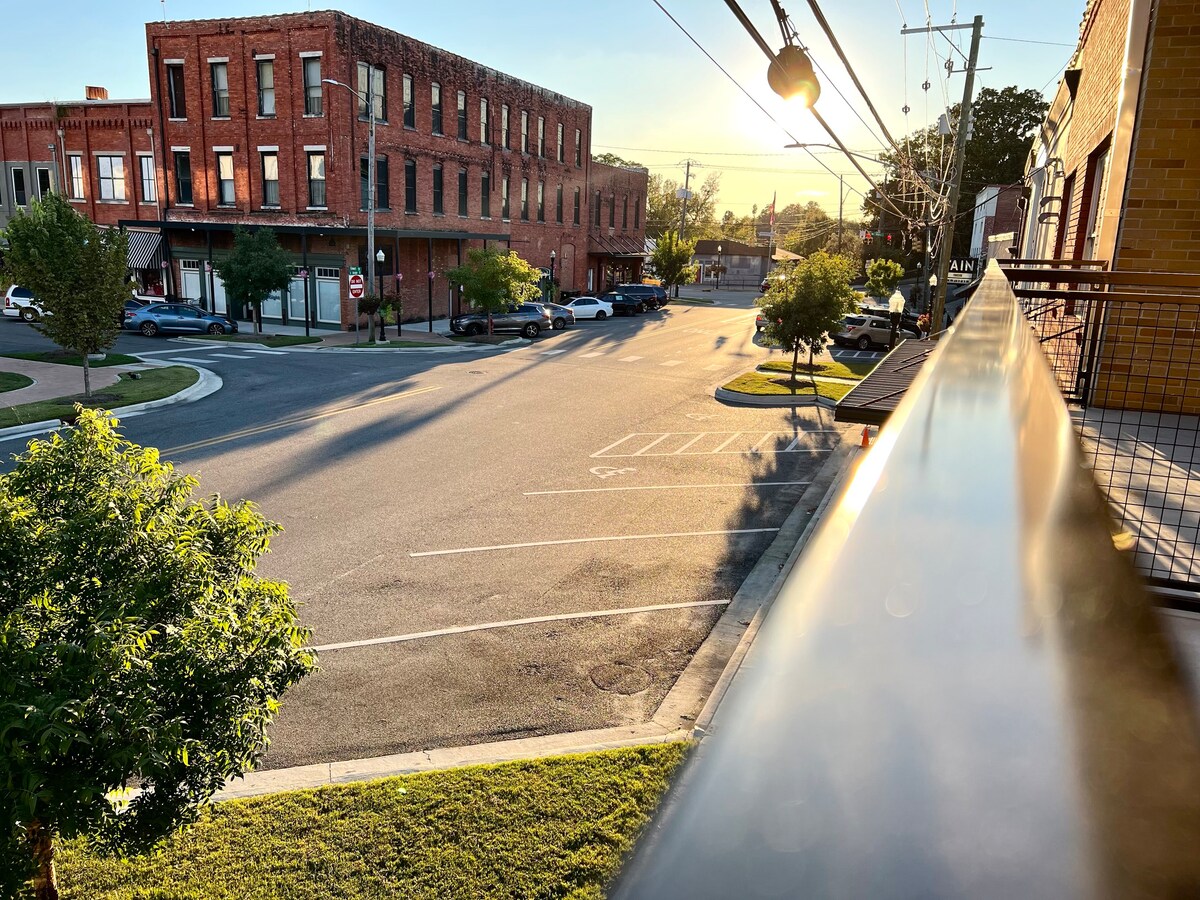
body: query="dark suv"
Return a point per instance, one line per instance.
(624, 304)
(530, 319)
(648, 294)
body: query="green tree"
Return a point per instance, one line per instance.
(807, 303)
(256, 268)
(371, 305)
(663, 208)
(611, 159)
(672, 260)
(493, 279)
(141, 652)
(882, 277)
(78, 271)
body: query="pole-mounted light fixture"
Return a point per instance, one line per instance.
(791, 76)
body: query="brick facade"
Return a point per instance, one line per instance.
(617, 224)
(417, 236)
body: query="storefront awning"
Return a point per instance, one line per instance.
(144, 250)
(616, 246)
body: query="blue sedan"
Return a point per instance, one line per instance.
(182, 317)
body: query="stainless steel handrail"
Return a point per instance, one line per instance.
(962, 689)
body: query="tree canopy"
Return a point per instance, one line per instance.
(672, 260)
(491, 279)
(1004, 122)
(663, 208)
(807, 302)
(143, 657)
(882, 277)
(78, 271)
(611, 159)
(256, 268)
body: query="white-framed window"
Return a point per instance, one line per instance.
(316, 178)
(112, 177)
(270, 178)
(220, 89)
(226, 195)
(266, 87)
(312, 85)
(372, 79)
(42, 177)
(75, 164)
(149, 179)
(20, 194)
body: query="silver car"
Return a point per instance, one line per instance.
(560, 316)
(863, 332)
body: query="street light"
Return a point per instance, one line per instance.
(369, 100)
(379, 275)
(896, 308)
(550, 286)
(718, 267)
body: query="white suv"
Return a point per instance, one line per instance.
(19, 301)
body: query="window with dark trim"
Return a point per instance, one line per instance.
(220, 89)
(485, 195)
(504, 208)
(541, 201)
(524, 199)
(578, 149)
(373, 79)
(383, 195)
(112, 178)
(558, 206)
(542, 137)
(575, 218)
(462, 192)
(176, 93)
(637, 211)
(316, 178)
(524, 131)
(149, 179)
(270, 179)
(410, 106)
(20, 196)
(435, 101)
(183, 177)
(410, 185)
(226, 195)
(438, 200)
(484, 137)
(625, 213)
(504, 127)
(266, 87)
(612, 211)
(462, 115)
(597, 209)
(561, 149)
(76, 179)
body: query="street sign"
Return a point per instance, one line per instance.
(356, 287)
(355, 270)
(962, 269)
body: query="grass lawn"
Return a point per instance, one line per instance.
(394, 343)
(65, 358)
(546, 828)
(11, 381)
(483, 338)
(267, 340)
(767, 385)
(154, 384)
(855, 370)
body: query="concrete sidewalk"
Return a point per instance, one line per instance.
(53, 380)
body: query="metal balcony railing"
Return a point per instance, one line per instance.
(1125, 351)
(962, 689)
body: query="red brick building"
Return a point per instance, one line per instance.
(251, 134)
(616, 227)
(99, 153)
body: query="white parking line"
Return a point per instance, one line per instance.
(188, 359)
(672, 362)
(666, 487)
(268, 352)
(511, 623)
(174, 350)
(632, 358)
(726, 443)
(653, 443)
(692, 441)
(233, 356)
(591, 540)
(589, 355)
(552, 352)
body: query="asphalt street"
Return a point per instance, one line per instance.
(433, 503)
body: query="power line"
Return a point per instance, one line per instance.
(992, 37)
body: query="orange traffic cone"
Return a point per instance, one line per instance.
(866, 437)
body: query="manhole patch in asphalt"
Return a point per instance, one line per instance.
(618, 678)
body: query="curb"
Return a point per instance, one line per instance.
(209, 383)
(739, 399)
(466, 348)
(683, 714)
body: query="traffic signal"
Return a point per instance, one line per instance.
(889, 240)
(867, 239)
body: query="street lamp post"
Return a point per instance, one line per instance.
(369, 100)
(304, 276)
(550, 286)
(896, 309)
(379, 274)
(718, 267)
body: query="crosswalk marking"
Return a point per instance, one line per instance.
(268, 352)
(187, 359)
(232, 356)
(672, 362)
(552, 352)
(632, 358)
(589, 355)
(707, 443)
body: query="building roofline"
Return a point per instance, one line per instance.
(159, 29)
(116, 102)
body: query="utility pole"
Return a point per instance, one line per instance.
(841, 178)
(960, 149)
(684, 194)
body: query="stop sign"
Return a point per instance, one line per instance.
(356, 287)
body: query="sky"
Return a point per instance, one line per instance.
(656, 99)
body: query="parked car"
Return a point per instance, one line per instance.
(765, 284)
(624, 304)
(863, 332)
(908, 321)
(646, 293)
(589, 308)
(560, 315)
(20, 302)
(154, 318)
(760, 322)
(529, 319)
